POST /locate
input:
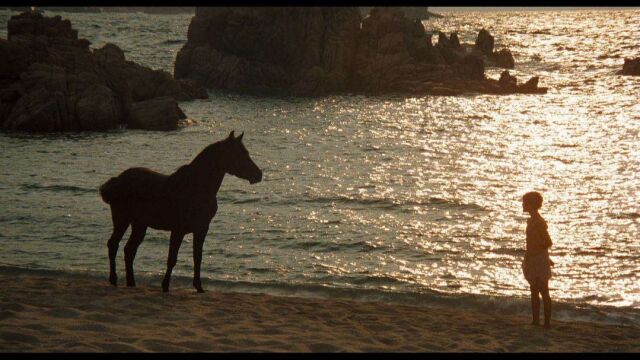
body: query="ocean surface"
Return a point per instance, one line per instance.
(410, 199)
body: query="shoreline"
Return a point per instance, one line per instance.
(44, 313)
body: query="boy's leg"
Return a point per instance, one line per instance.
(546, 298)
(535, 303)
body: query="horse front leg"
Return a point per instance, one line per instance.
(172, 259)
(198, 242)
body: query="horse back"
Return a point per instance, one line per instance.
(142, 184)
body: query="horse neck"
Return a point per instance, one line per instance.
(207, 171)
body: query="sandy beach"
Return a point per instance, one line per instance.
(40, 313)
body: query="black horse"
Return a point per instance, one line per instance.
(183, 202)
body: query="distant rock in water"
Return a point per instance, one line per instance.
(306, 51)
(630, 67)
(484, 45)
(50, 80)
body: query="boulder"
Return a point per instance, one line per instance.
(631, 67)
(161, 113)
(503, 59)
(531, 87)
(484, 42)
(39, 110)
(454, 42)
(507, 82)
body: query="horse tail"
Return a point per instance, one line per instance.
(109, 189)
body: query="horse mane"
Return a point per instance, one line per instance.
(204, 162)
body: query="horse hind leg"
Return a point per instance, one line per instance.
(130, 249)
(120, 225)
(174, 245)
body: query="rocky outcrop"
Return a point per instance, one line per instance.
(630, 67)
(316, 51)
(50, 80)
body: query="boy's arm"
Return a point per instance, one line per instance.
(546, 239)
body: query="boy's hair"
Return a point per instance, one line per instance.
(533, 198)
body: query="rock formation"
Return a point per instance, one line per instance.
(50, 80)
(270, 50)
(315, 51)
(630, 67)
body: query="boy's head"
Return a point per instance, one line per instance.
(531, 201)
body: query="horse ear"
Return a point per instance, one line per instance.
(239, 138)
(231, 135)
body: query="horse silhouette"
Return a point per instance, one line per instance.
(183, 202)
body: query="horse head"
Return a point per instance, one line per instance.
(238, 161)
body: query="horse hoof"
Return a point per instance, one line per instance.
(200, 291)
(113, 281)
(131, 285)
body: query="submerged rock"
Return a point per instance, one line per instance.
(50, 80)
(316, 51)
(630, 67)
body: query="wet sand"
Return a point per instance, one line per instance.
(40, 313)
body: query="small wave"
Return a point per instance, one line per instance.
(390, 203)
(608, 56)
(246, 201)
(631, 215)
(509, 251)
(541, 32)
(17, 218)
(378, 280)
(567, 145)
(173, 41)
(57, 188)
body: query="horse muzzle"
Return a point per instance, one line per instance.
(256, 179)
